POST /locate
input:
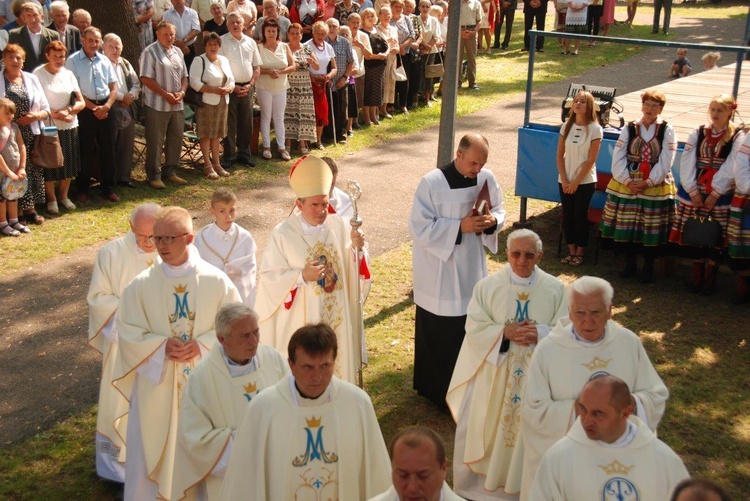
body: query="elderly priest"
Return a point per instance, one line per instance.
(584, 344)
(214, 400)
(311, 436)
(116, 265)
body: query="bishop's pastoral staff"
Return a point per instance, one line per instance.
(509, 313)
(449, 235)
(215, 397)
(584, 344)
(608, 453)
(166, 324)
(311, 436)
(116, 265)
(309, 271)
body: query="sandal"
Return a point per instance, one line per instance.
(567, 259)
(21, 228)
(220, 171)
(576, 261)
(34, 218)
(209, 172)
(8, 231)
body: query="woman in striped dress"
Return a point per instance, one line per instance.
(640, 197)
(708, 150)
(737, 177)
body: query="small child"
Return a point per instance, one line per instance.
(228, 246)
(352, 111)
(13, 166)
(710, 59)
(681, 66)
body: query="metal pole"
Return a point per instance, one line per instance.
(450, 86)
(741, 57)
(526, 118)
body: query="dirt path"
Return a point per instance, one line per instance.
(48, 372)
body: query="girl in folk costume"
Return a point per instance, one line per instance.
(577, 149)
(737, 177)
(708, 150)
(640, 197)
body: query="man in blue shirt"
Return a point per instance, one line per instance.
(98, 82)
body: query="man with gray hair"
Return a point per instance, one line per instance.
(81, 19)
(244, 60)
(32, 37)
(584, 344)
(69, 34)
(271, 11)
(116, 265)
(214, 400)
(608, 453)
(509, 313)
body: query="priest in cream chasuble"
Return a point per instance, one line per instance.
(116, 265)
(508, 314)
(166, 324)
(608, 454)
(583, 345)
(215, 398)
(311, 436)
(448, 258)
(309, 271)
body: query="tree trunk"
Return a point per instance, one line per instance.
(114, 16)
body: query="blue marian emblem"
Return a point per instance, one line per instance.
(181, 306)
(522, 307)
(314, 449)
(620, 489)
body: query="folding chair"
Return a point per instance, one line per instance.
(191, 148)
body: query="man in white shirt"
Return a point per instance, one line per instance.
(244, 60)
(187, 28)
(418, 467)
(608, 453)
(582, 345)
(471, 16)
(32, 37)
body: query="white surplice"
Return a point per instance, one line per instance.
(577, 467)
(561, 366)
(487, 389)
(233, 252)
(155, 307)
(116, 265)
(445, 273)
(213, 402)
(285, 302)
(288, 448)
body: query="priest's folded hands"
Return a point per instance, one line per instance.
(178, 351)
(474, 224)
(522, 333)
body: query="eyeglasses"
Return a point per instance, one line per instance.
(527, 255)
(165, 240)
(651, 105)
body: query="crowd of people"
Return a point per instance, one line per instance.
(314, 68)
(552, 399)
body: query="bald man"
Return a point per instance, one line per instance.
(449, 237)
(608, 452)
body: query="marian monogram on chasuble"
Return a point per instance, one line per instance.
(181, 322)
(518, 359)
(598, 367)
(332, 311)
(617, 487)
(318, 482)
(251, 389)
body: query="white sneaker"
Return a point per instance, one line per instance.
(52, 208)
(267, 154)
(284, 155)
